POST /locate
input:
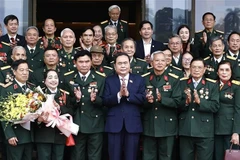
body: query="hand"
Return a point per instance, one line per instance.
(82, 44)
(124, 90)
(235, 139)
(159, 96)
(148, 59)
(78, 93)
(204, 37)
(43, 117)
(13, 141)
(196, 97)
(45, 42)
(150, 98)
(56, 105)
(188, 96)
(13, 44)
(93, 95)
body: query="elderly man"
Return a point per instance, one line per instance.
(114, 12)
(175, 45)
(66, 54)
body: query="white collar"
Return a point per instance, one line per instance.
(86, 75)
(144, 42)
(19, 83)
(232, 54)
(125, 78)
(218, 60)
(196, 81)
(29, 48)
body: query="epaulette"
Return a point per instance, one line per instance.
(124, 21)
(236, 82)
(141, 59)
(5, 67)
(230, 57)
(78, 48)
(149, 67)
(220, 31)
(146, 74)
(104, 22)
(108, 67)
(112, 62)
(173, 75)
(101, 74)
(39, 38)
(32, 84)
(198, 31)
(68, 73)
(177, 68)
(64, 91)
(59, 37)
(211, 80)
(206, 58)
(184, 78)
(7, 44)
(30, 70)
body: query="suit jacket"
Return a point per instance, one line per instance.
(127, 112)
(227, 119)
(197, 120)
(23, 135)
(156, 46)
(179, 64)
(19, 38)
(160, 118)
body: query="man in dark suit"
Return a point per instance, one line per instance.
(175, 45)
(233, 42)
(114, 12)
(147, 45)
(123, 121)
(11, 24)
(19, 140)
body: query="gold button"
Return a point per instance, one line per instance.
(156, 108)
(82, 103)
(192, 117)
(155, 117)
(207, 120)
(193, 109)
(82, 111)
(83, 87)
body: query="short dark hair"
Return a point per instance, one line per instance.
(198, 59)
(16, 63)
(82, 53)
(145, 22)
(87, 28)
(232, 33)
(129, 39)
(9, 17)
(216, 38)
(208, 13)
(184, 26)
(225, 62)
(50, 48)
(46, 73)
(120, 54)
(48, 19)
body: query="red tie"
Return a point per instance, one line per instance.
(12, 39)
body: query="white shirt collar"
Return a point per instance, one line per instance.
(19, 83)
(88, 73)
(219, 59)
(114, 22)
(53, 91)
(29, 48)
(196, 81)
(144, 42)
(125, 78)
(232, 54)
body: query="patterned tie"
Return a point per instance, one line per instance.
(83, 78)
(12, 39)
(123, 82)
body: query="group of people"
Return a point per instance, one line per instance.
(132, 99)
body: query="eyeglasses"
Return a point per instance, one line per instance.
(187, 59)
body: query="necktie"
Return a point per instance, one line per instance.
(115, 24)
(220, 86)
(216, 62)
(112, 49)
(83, 78)
(235, 56)
(123, 82)
(12, 39)
(24, 87)
(31, 50)
(195, 84)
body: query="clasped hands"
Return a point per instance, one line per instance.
(189, 96)
(150, 97)
(123, 91)
(78, 94)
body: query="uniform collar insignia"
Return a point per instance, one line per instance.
(165, 78)
(151, 77)
(189, 81)
(203, 81)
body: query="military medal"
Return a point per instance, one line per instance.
(71, 82)
(201, 91)
(89, 90)
(206, 97)
(64, 65)
(149, 91)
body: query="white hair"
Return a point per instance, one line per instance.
(67, 29)
(156, 52)
(32, 27)
(16, 48)
(110, 27)
(113, 7)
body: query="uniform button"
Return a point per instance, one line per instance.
(82, 95)
(207, 120)
(96, 115)
(193, 109)
(155, 117)
(15, 127)
(82, 103)
(156, 108)
(137, 71)
(82, 111)
(83, 87)
(68, 62)
(232, 119)
(192, 117)
(170, 119)
(32, 59)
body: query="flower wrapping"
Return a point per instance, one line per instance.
(63, 122)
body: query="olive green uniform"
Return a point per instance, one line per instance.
(227, 119)
(35, 58)
(88, 115)
(52, 42)
(160, 118)
(196, 121)
(5, 53)
(105, 70)
(201, 49)
(66, 60)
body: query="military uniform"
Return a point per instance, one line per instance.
(66, 60)
(5, 53)
(200, 49)
(227, 119)
(160, 123)
(211, 71)
(122, 29)
(35, 59)
(52, 42)
(50, 141)
(171, 69)
(108, 58)
(105, 70)
(37, 77)
(88, 115)
(196, 121)
(23, 150)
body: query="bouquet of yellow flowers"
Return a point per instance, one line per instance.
(22, 107)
